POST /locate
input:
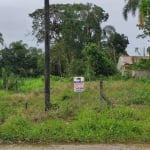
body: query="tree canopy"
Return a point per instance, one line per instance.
(75, 23)
(143, 7)
(73, 27)
(22, 60)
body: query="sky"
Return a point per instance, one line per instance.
(15, 24)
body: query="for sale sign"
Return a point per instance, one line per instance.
(78, 84)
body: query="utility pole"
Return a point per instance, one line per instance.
(47, 57)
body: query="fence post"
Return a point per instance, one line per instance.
(26, 105)
(101, 91)
(102, 96)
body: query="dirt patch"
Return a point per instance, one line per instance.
(76, 147)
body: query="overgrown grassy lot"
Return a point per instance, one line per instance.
(22, 115)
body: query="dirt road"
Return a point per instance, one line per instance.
(75, 147)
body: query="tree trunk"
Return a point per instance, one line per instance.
(47, 57)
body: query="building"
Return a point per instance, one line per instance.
(125, 66)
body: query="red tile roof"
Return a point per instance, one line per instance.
(127, 59)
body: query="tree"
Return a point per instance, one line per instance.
(130, 7)
(97, 62)
(58, 59)
(1, 39)
(107, 31)
(118, 43)
(74, 25)
(144, 14)
(34, 62)
(145, 9)
(148, 51)
(21, 60)
(14, 57)
(76, 22)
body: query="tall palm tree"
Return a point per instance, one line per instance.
(143, 6)
(130, 7)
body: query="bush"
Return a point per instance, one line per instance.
(15, 129)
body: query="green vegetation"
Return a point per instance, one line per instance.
(143, 65)
(131, 6)
(19, 60)
(80, 47)
(75, 29)
(71, 120)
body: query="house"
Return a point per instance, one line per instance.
(125, 64)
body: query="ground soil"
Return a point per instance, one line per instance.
(76, 147)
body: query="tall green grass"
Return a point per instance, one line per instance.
(77, 120)
(89, 126)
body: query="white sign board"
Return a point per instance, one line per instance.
(78, 84)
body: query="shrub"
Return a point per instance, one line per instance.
(15, 129)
